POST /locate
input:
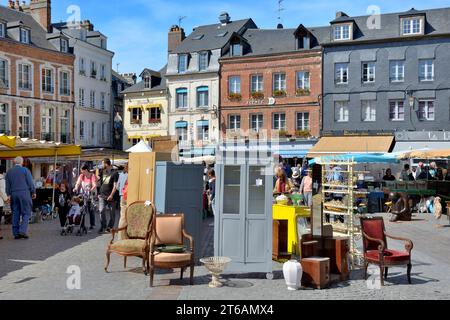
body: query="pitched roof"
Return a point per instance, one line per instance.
(118, 76)
(38, 33)
(140, 86)
(214, 36)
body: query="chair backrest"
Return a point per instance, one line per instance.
(374, 228)
(139, 218)
(169, 229)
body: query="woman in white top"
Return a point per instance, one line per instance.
(3, 196)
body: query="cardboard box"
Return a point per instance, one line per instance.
(141, 177)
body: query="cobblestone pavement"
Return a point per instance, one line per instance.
(36, 269)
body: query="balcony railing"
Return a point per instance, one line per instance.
(25, 134)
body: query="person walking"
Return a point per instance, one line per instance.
(107, 196)
(87, 181)
(121, 183)
(62, 202)
(306, 189)
(3, 196)
(21, 191)
(212, 191)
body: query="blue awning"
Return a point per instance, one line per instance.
(202, 89)
(202, 123)
(293, 154)
(181, 90)
(360, 158)
(181, 124)
(207, 151)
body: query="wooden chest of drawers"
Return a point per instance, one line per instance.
(316, 272)
(337, 250)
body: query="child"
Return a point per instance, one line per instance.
(75, 211)
(62, 202)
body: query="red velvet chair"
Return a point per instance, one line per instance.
(376, 249)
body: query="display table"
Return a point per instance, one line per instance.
(290, 214)
(416, 192)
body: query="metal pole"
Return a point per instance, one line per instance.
(54, 180)
(79, 164)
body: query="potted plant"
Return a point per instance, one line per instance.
(282, 133)
(154, 120)
(135, 121)
(257, 95)
(235, 97)
(279, 93)
(303, 92)
(303, 133)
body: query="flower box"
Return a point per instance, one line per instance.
(136, 121)
(282, 133)
(302, 133)
(154, 121)
(257, 95)
(279, 93)
(235, 97)
(302, 92)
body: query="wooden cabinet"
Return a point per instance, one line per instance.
(337, 250)
(316, 272)
(280, 240)
(141, 177)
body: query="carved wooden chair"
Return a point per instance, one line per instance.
(170, 233)
(376, 248)
(136, 234)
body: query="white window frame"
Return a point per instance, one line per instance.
(428, 70)
(82, 130)
(64, 45)
(28, 116)
(182, 133)
(185, 99)
(203, 61)
(368, 110)
(104, 129)
(395, 106)
(258, 120)
(82, 66)
(234, 122)
(234, 86)
(408, 25)
(342, 111)
(2, 30)
(103, 101)
(64, 123)
(93, 73)
(279, 84)
(397, 70)
(47, 80)
(303, 82)
(256, 83)
(21, 75)
(93, 131)
(280, 123)
(203, 132)
(340, 34)
(4, 114)
(426, 105)
(25, 35)
(64, 83)
(92, 99)
(341, 72)
(103, 72)
(4, 73)
(183, 58)
(47, 120)
(304, 119)
(368, 72)
(81, 97)
(202, 103)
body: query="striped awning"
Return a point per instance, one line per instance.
(135, 107)
(153, 105)
(202, 123)
(181, 124)
(135, 137)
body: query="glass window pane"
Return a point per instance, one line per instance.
(232, 189)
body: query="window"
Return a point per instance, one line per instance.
(426, 70)
(203, 58)
(81, 97)
(369, 111)
(202, 97)
(182, 63)
(2, 30)
(24, 35)
(203, 130)
(279, 82)
(64, 45)
(154, 115)
(104, 132)
(368, 69)
(397, 70)
(342, 112)
(396, 110)
(82, 133)
(303, 42)
(256, 122)
(92, 99)
(47, 80)
(303, 80)
(4, 83)
(93, 69)
(103, 72)
(279, 121)
(257, 83)
(103, 43)
(181, 130)
(147, 82)
(135, 141)
(25, 77)
(234, 122)
(234, 85)
(236, 49)
(136, 116)
(4, 118)
(82, 67)
(65, 126)
(48, 115)
(103, 100)
(341, 73)
(24, 125)
(426, 110)
(92, 130)
(342, 32)
(182, 96)
(303, 121)
(412, 26)
(64, 83)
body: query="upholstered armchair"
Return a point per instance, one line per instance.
(376, 250)
(170, 235)
(136, 234)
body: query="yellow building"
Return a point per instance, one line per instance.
(145, 108)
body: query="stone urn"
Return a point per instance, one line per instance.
(292, 271)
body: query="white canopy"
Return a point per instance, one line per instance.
(141, 147)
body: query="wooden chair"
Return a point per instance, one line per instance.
(170, 231)
(376, 248)
(139, 224)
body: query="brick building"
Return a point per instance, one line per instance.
(272, 80)
(36, 75)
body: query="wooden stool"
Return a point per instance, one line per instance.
(316, 272)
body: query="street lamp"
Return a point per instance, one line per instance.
(410, 95)
(214, 112)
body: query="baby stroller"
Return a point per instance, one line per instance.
(77, 225)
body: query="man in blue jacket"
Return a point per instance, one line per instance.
(20, 190)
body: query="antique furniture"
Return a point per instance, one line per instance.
(139, 224)
(308, 246)
(215, 266)
(376, 250)
(290, 214)
(280, 240)
(337, 249)
(141, 177)
(316, 272)
(170, 233)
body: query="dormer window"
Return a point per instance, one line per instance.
(182, 63)
(203, 58)
(342, 32)
(303, 42)
(236, 49)
(64, 45)
(103, 43)
(412, 26)
(24, 35)
(2, 30)
(147, 82)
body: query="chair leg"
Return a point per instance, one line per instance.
(125, 262)
(192, 275)
(385, 272)
(366, 265)
(152, 273)
(381, 275)
(108, 257)
(409, 272)
(144, 267)
(181, 275)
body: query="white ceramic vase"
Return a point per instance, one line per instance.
(292, 271)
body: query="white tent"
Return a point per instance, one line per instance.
(141, 147)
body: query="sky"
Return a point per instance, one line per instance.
(137, 29)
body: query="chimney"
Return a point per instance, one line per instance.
(224, 18)
(176, 36)
(341, 14)
(42, 13)
(86, 24)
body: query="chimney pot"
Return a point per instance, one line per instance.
(341, 14)
(176, 36)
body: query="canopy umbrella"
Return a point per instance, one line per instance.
(425, 154)
(358, 158)
(141, 147)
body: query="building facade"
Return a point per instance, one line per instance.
(36, 75)
(392, 79)
(93, 67)
(145, 109)
(193, 83)
(271, 81)
(118, 84)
